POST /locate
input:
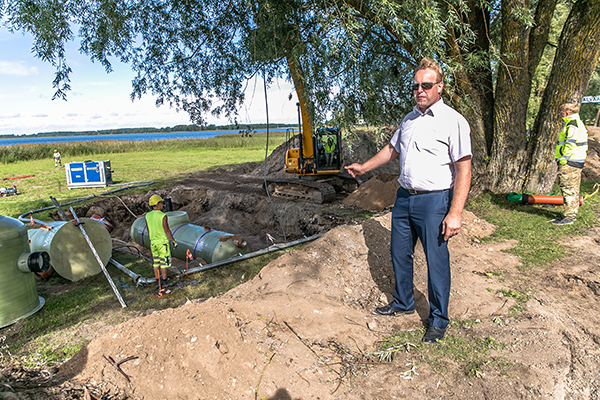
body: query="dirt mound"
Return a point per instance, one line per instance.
(376, 194)
(364, 144)
(304, 328)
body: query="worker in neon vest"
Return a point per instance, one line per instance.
(57, 159)
(329, 149)
(160, 234)
(570, 155)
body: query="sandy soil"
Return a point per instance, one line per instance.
(304, 328)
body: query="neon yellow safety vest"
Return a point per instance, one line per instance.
(329, 148)
(572, 144)
(156, 231)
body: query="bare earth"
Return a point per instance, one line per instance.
(304, 328)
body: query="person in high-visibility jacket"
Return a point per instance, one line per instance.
(329, 150)
(160, 234)
(570, 155)
(57, 159)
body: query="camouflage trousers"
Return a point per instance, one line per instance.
(568, 180)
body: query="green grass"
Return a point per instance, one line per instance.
(538, 240)
(520, 301)
(160, 162)
(57, 332)
(83, 150)
(454, 355)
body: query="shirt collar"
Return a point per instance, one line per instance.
(431, 110)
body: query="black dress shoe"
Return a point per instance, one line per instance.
(434, 334)
(391, 311)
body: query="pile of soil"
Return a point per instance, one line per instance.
(376, 194)
(304, 328)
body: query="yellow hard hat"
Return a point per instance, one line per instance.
(154, 200)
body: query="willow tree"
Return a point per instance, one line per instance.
(356, 56)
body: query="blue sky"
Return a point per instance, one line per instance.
(98, 100)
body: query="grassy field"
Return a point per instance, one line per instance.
(157, 161)
(539, 242)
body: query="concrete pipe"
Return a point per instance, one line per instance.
(202, 242)
(70, 254)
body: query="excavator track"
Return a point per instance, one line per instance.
(318, 192)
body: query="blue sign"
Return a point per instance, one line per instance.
(591, 99)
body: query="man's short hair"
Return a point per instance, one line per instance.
(429, 63)
(571, 108)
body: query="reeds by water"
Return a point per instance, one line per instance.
(39, 151)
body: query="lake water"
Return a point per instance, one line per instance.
(125, 136)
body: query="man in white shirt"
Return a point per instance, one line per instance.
(434, 148)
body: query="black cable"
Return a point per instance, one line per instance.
(127, 245)
(266, 155)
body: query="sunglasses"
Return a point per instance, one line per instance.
(424, 85)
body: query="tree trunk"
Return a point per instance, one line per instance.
(466, 99)
(538, 38)
(575, 60)
(473, 94)
(509, 147)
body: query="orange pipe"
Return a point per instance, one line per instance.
(542, 199)
(19, 177)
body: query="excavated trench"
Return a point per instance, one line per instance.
(234, 200)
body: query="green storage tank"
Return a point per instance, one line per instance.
(202, 242)
(70, 254)
(18, 296)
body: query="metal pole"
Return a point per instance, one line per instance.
(87, 239)
(253, 254)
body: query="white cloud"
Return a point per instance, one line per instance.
(17, 115)
(17, 68)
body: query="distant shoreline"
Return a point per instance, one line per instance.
(57, 140)
(143, 130)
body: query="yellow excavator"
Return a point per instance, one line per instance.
(318, 159)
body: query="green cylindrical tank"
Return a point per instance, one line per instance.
(202, 242)
(70, 253)
(18, 296)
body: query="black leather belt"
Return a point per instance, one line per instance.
(413, 191)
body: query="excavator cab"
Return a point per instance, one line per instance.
(321, 154)
(319, 151)
(328, 149)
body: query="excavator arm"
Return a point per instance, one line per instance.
(318, 157)
(309, 158)
(306, 133)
